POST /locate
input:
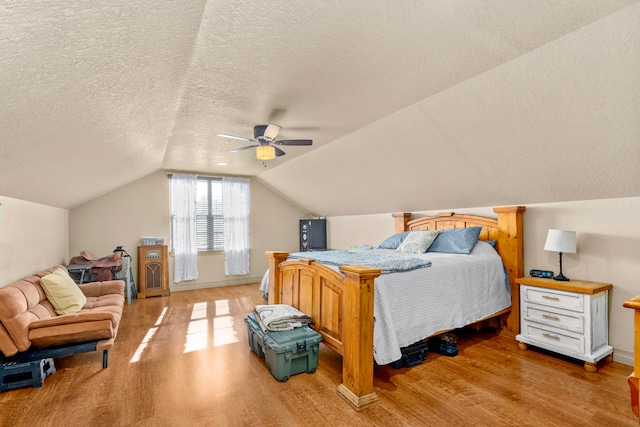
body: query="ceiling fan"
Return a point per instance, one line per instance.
(265, 138)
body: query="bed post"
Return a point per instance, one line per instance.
(275, 258)
(401, 220)
(357, 357)
(510, 248)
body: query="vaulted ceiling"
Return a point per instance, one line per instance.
(412, 105)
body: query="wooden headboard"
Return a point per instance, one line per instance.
(448, 220)
(506, 230)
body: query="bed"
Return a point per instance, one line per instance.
(342, 301)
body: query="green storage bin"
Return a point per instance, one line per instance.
(292, 352)
(255, 335)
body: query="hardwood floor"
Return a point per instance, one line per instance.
(184, 360)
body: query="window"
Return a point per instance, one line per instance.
(209, 219)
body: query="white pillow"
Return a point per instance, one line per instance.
(417, 242)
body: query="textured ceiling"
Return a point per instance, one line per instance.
(412, 105)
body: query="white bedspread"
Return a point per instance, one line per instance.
(455, 291)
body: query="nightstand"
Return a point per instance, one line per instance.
(569, 318)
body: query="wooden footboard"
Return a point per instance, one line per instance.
(341, 305)
(342, 311)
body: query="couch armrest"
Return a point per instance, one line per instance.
(7, 346)
(74, 318)
(97, 289)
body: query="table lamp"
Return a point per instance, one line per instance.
(561, 241)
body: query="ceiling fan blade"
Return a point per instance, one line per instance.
(235, 150)
(279, 152)
(236, 137)
(271, 131)
(294, 142)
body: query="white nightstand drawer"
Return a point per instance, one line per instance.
(565, 320)
(552, 298)
(554, 337)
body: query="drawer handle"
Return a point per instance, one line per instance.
(551, 317)
(552, 298)
(551, 336)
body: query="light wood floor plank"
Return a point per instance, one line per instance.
(184, 360)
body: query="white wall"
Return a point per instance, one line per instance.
(32, 237)
(608, 249)
(121, 217)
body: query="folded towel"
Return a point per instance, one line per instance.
(280, 317)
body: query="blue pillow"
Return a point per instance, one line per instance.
(456, 240)
(394, 241)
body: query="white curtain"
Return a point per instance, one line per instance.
(235, 207)
(183, 211)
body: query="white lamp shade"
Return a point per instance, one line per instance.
(561, 241)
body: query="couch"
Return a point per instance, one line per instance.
(31, 329)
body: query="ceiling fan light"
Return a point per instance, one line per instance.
(265, 152)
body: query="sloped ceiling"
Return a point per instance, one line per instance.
(411, 105)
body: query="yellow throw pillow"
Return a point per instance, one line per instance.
(62, 292)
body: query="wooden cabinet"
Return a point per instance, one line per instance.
(569, 318)
(634, 378)
(153, 271)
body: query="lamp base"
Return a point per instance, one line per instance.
(560, 277)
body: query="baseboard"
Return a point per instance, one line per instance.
(623, 356)
(191, 286)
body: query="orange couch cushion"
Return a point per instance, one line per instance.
(21, 303)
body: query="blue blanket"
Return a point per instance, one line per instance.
(386, 263)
